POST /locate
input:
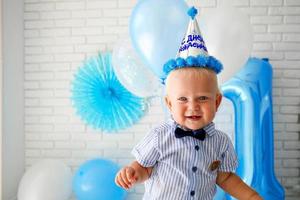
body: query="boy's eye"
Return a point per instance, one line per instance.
(203, 98)
(182, 99)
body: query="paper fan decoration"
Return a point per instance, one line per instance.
(101, 100)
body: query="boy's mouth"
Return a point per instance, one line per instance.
(193, 117)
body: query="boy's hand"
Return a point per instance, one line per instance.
(126, 177)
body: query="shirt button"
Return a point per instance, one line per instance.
(194, 169)
(192, 193)
(197, 147)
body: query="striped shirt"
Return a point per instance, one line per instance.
(183, 168)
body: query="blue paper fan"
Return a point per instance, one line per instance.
(101, 100)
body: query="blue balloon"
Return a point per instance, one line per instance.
(94, 180)
(250, 90)
(156, 29)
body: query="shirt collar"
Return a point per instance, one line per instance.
(210, 129)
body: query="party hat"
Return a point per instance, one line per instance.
(192, 43)
(192, 51)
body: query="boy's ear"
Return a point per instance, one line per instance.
(218, 100)
(168, 102)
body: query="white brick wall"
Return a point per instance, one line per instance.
(59, 35)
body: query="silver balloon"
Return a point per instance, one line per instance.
(131, 72)
(47, 180)
(228, 36)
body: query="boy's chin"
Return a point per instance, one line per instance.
(194, 127)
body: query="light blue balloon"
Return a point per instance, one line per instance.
(250, 90)
(94, 180)
(156, 29)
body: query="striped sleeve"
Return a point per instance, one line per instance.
(146, 151)
(229, 158)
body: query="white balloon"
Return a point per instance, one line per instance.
(131, 72)
(228, 36)
(46, 180)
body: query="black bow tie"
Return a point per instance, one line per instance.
(198, 134)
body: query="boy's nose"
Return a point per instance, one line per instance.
(194, 106)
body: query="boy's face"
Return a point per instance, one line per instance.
(192, 100)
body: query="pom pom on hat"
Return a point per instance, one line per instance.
(192, 12)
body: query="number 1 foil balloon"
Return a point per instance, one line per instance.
(156, 30)
(101, 100)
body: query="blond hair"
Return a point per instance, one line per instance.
(194, 72)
